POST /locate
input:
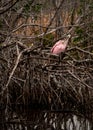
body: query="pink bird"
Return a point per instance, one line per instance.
(60, 46)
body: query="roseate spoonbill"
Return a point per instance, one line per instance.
(60, 46)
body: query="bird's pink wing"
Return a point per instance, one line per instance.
(57, 44)
(57, 50)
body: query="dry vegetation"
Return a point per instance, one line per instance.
(30, 75)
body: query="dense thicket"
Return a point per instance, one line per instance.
(29, 74)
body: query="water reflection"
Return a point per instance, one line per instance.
(37, 120)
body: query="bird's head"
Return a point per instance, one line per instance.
(69, 35)
(67, 39)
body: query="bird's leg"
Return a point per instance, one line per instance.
(61, 56)
(59, 59)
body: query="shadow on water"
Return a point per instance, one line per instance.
(26, 119)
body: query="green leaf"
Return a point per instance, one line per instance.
(79, 31)
(37, 7)
(77, 39)
(27, 8)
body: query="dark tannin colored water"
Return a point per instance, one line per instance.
(42, 120)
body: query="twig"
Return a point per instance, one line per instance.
(79, 49)
(79, 79)
(2, 11)
(16, 64)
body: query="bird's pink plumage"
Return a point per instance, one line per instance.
(59, 47)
